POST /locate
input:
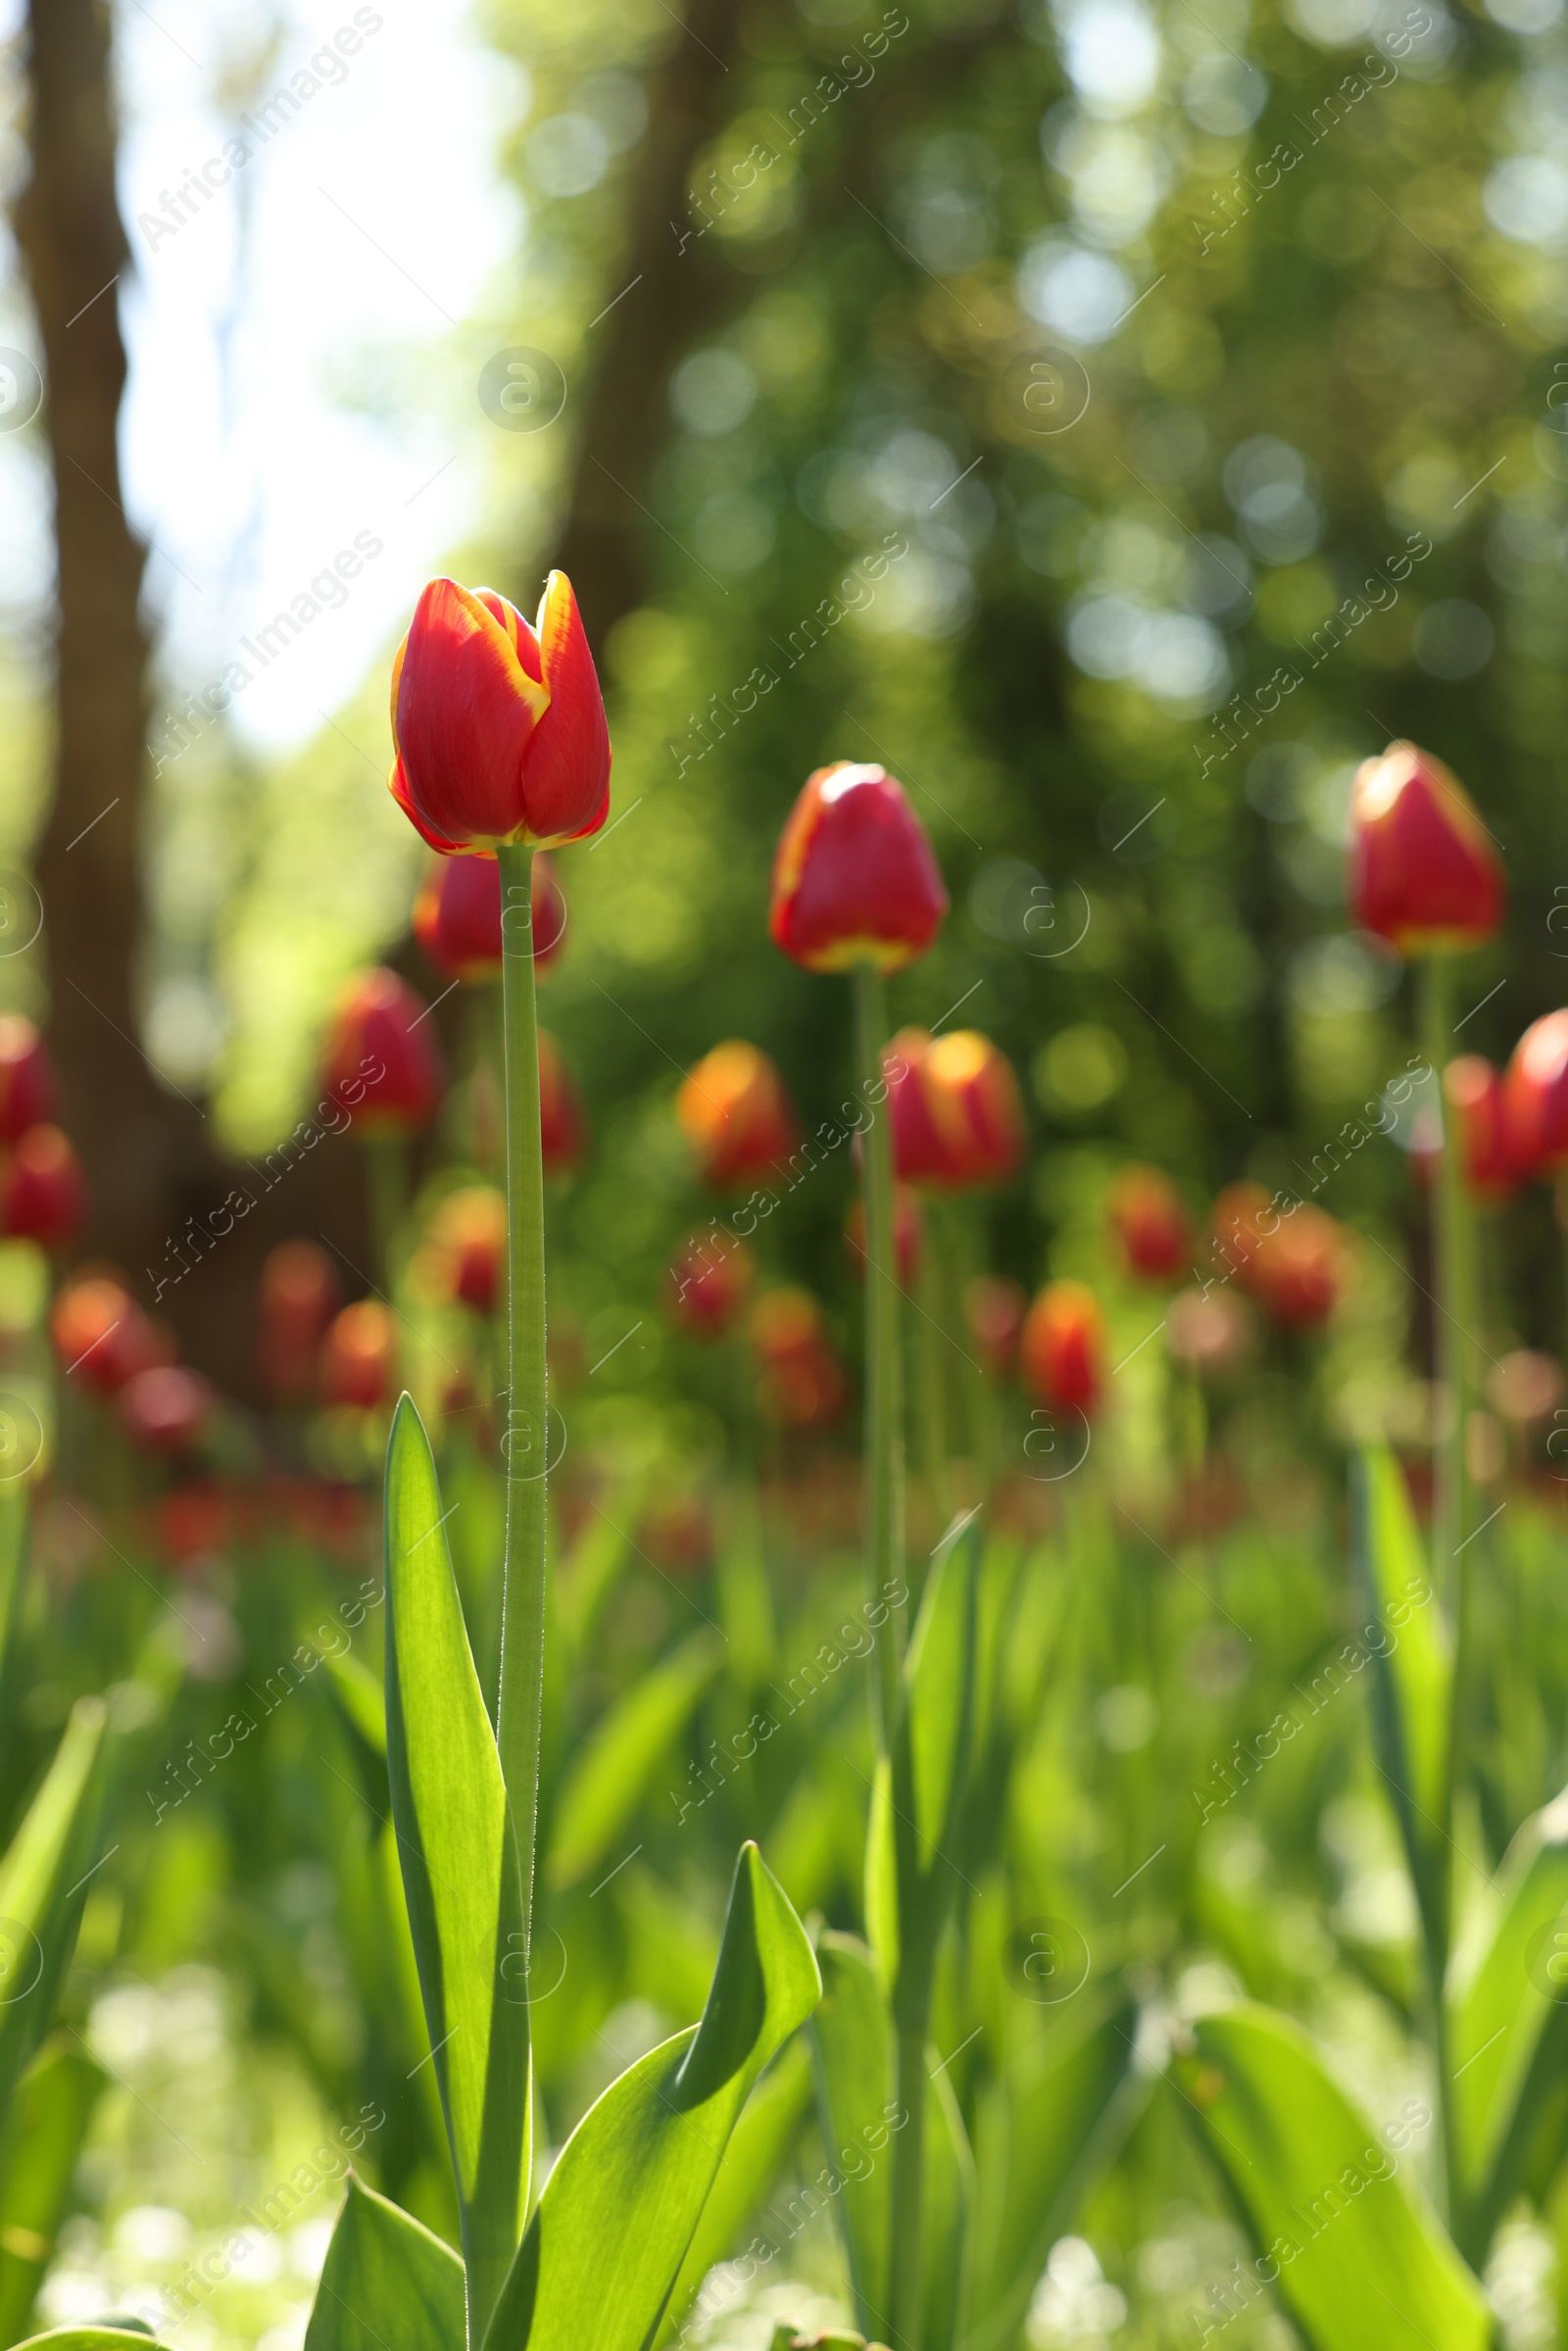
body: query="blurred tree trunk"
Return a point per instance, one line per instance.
(672, 293)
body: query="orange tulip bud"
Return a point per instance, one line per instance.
(1297, 1273)
(801, 1384)
(709, 1279)
(853, 877)
(1240, 1216)
(1062, 1352)
(382, 1061)
(359, 1357)
(297, 1295)
(468, 1239)
(1148, 1220)
(1424, 874)
(499, 728)
(1536, 1098)
(1476, 1103)
(994, 1307)
(27, 1077)
(457, 916)
(43, 1193)
(733, 1106)
(101, 1336)
(562, 1121)
(957, 1114)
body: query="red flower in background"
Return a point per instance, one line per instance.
(853, 877)
(457, 916)
(1424, 874)
(908, 1236)
(709, 1279)
(297, 1296)
(1241, 1216)
(1209, 1332)
(166, 1410)
(498, 727)
(1299, 1273)
(27, 1077)
(994, 1307)
(1474, 1099)
(801, 1384)
(563, 1123)
(1062, 1350)
(1536, 1098)
(382, 1061)
(734, 1107)
(469, 1237)
(359, 1357)
(1147, 1216)
(957, 1111)
(101, 1336)
(43, 1192)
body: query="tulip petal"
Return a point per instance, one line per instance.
(466, 709)
(525, 644)
(567, 767)
(397, 672)
(396, 783)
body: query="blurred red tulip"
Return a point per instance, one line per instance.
(382, 1061)
(1240, 1216)
(1424, 874)
(457, 916)
(101, 1336)
(1475, 1101)
(994, 1306)
(359, 1357)
(563, 1123)
(27, 1077)
(1299, 1272)
(709, 1279)
(498, 727)
(1536, 1098)
(43, 1192)
(733, 1106)
(957, 1111)
(1209, 1332)
(908, 1233)
(165, 1410)
(468, 1239)
(297, 1295)
(853, 877)
(801, 1384)
(1062, 1350)
(1148, 1219)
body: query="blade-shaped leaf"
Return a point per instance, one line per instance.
(1340, 2228)
(129, 2338)
(42, 1882)
(611, 1774)
(1412, 1664)
(386, 2279)
(760, 2146)
(852, 2042)
(614, 2226)
(946, 2208)
(1043, 2133)
(38, 2151)
(459, 1865)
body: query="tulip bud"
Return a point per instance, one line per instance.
(853, 877)
(43, 1193)
(1475, 1100)
(1148, 1219)
(957, 1115)
(710, 1277)
(469, 1237)
(359, 1357)
(908, 1236)
(457, 916)
(1536, 1098)
(1297, 1273)
(801, 1384)
(297, 1295)
(101, 1336)
(1424, 874)
(1061, 1351)
(166, 1410)
(27, 1077)
(1209, 1332)
(994, 1307)
(562, 1121)
(1238, 1218)
(382, 1063)
(733, 1106)
(499, 728)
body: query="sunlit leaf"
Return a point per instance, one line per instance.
(386, 2281)
(38, 2150)
(42, 1887)
(759, 2147)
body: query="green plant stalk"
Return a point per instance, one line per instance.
(884, 1383)
(525, 1444)
(907, 2266)
(386, 1175)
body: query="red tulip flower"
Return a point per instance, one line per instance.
(1424, 873)
(101, 1336)
(297, 1296)
(1300, 1271)
(1474, 1099)
(359, 1357)
(957, 1115)
(908, 1236)
(733, 1106)
(1239, 1217)
(1061, 1351)
(709, 1279)
(43, 1193)
(499, 728)
(470, 1237)
(853, 877)
(801, 1384)
(994, 1307)
(382, 1061)
(563, 1123)
(1148, 1219)
(1536, 1098)
(457, 916)
(166, 1410)
(27, 1077)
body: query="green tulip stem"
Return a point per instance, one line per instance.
(884, 1383)
(525, 1444)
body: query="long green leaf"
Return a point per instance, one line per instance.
(612, 1773)
(1412, 1666)
(460, 1866)
(38, 2151)
(760, 2146)
(852, 2042)
(619, 2210)
(1340, 2226)
(947, 2209)
(128, 2337)
(42, 1880)
(386, 2281)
